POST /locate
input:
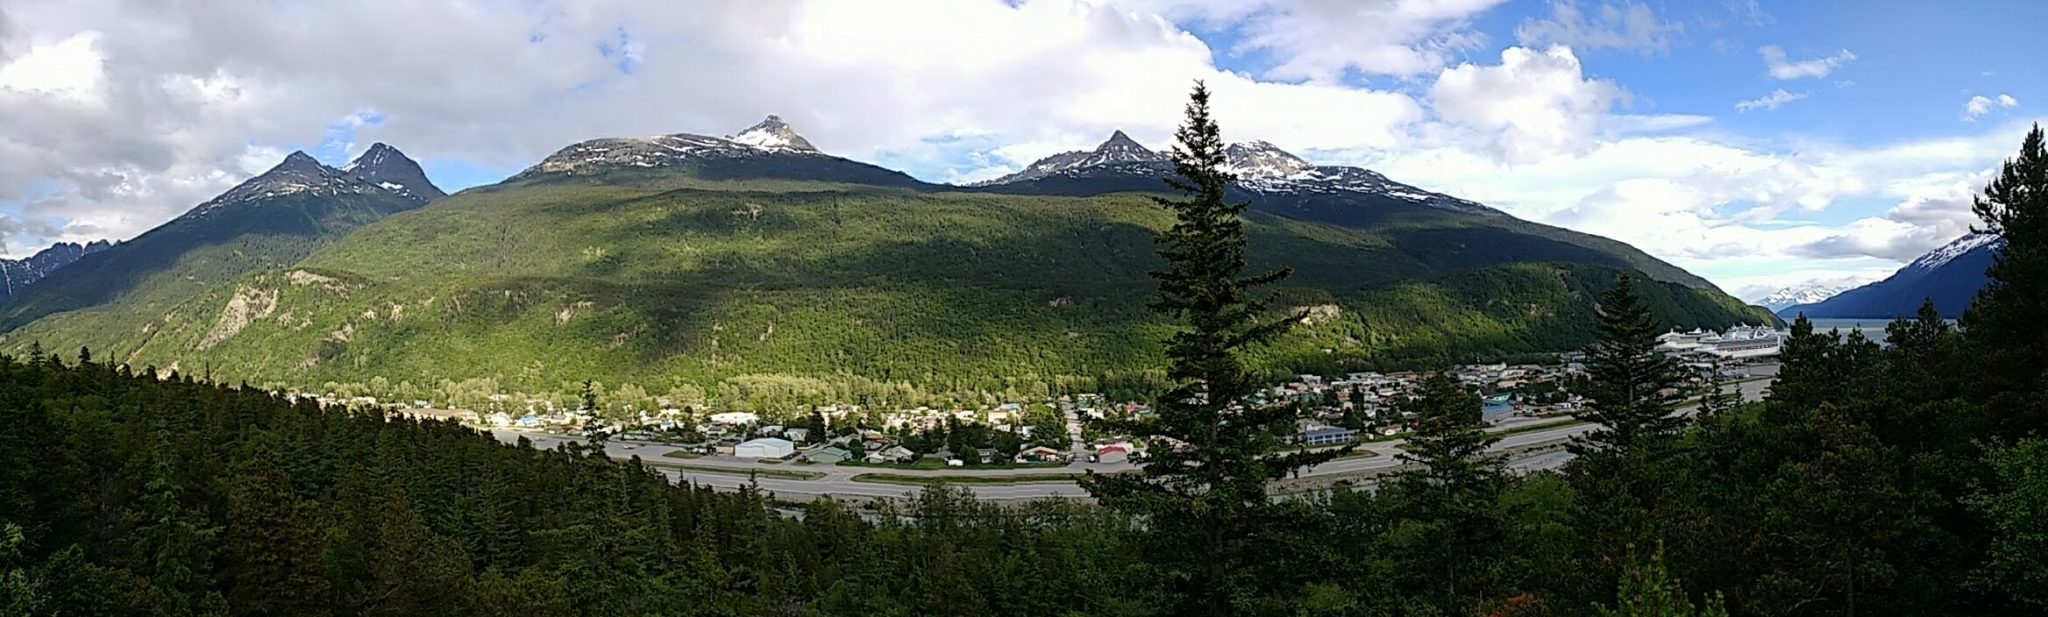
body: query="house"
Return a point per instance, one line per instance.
(1326, 436)
(891, 454)
(1112, 454)
(828, 455)
(798, 435)
(986, 455)
(1038, 454)
(765, 447)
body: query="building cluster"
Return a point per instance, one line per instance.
(1342, 409)
(1355, 404)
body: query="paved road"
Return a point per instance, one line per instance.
(1527, 452)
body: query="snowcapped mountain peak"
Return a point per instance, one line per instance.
(1949, 252)
(770, 137)
(773, 133)
(1810, 292)
(1258, 159)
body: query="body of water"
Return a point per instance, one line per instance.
(1872, 328)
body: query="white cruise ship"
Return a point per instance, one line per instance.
(1736, 343)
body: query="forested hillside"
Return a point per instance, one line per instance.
(674, 284)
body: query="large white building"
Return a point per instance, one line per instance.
(736, 417)
(765, 447)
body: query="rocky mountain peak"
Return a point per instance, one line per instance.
(298, 162)
(16, 274)
(1120, 148)
(773, 133)
(385, 166)
(1258, 159)
(301, 175)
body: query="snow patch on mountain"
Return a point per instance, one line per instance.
(299, 175)
(773, 133)
(18, 273)
(385, 166)
(1118, 150)
(1260, 167)
(770, 136)
(1949, 252)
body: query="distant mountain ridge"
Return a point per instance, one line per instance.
(1807, 293)
(1949, 275)
(769, 150)
(1262, 170)
(271, 220)
(687, 259)
(17, 274)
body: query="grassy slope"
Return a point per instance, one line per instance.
(536, 284)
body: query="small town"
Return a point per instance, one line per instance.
(1341, 409)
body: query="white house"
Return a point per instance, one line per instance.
(736, 417)
(765, 447)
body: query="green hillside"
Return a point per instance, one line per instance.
(816, 290)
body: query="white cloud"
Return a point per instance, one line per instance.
(1782, 67)
(1769, 101)
(1625, 25)
(1979, 105)
(70, 68)
(1531, 106)
(1319, 40)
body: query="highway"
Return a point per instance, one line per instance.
(1526, 451)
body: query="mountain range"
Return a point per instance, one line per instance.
(1808, 293)
(16, 274)
(1949, 275)
(754, 262)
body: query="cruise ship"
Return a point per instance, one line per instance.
(1736, 343)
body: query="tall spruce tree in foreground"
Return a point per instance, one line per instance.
(2006, 321)
(1451, 522)
(1629, 376)
(1202, 492)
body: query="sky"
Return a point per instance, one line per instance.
(1759, 144)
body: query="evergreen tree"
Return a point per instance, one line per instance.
(1203, 489)
(1627, 394)
(1453, 533)
(2006, 321)
(2016, 505)
(1647, 590)
(594, 429)
(272, 551)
